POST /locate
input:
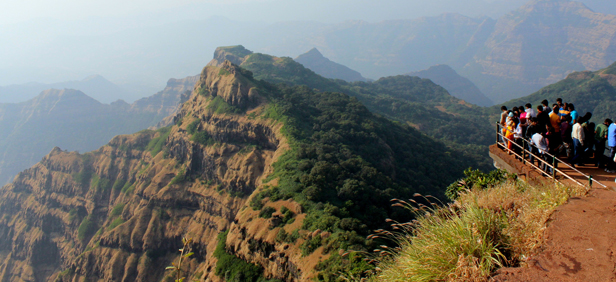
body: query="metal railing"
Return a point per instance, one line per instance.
(555, 161)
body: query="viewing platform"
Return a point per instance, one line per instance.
(588, 175)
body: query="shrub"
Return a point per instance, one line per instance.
(156, 144)
(117, 210)
(118, 184)
(86, 229)
(477, 178)
(466, 241)
(179, 178)
(220, 106)
(232, 268)
(267, 212)
(115, 223)
(311, 245)
(202, 138)
(192, 127)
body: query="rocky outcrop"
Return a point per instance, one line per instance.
(119, 213)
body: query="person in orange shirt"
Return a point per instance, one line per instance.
(555, 121)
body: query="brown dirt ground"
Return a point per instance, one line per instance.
(580, 243)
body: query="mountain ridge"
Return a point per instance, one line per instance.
(314, 60)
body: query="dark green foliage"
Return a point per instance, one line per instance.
(232, 268)
(223, 72)
(411, 100)
(100, 184)
(72, 214)
(83, 177)
(310, 245)
(193, 126)
(478, 179)
(267, 212)
(256, 203)
(204, 92)
(219, 106)
(202, 138)
(117, 210)
(287, 215)
(118, 184)
(86, 229)
(115, 223)
(128, 188)
(352, 266)
(156, 144)
(179, 178)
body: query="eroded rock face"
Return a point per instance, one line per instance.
(119, 213)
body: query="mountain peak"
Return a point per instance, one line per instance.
(235, 54)
(315, 61)
(233, 84)
(457, 85)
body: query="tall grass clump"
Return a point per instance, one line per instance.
(485, 229)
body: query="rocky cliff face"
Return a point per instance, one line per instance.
(118, 213)
(289, 177)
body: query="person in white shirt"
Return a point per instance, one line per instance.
(530, 113)
(578, 136)
(541, 142)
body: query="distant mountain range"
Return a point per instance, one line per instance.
(95, 86)
(512, 56)
(315, 61)
(522, 51)
(72, 120)
(458, 86)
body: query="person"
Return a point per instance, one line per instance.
(577, 134)
(529, 111)
(518, 136)
(611, 143)
(546, 106)
(572, 112)
(503, 122)
(530, 131)
(564, 110)
(543, 117)
(565, 134)
(523, 121)
(509, 129)
(600, 138)
(541, 143)
(559, 102)
(555, 120)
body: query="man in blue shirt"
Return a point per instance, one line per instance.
(572, 112)
(611, 143)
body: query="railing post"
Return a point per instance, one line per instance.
(496, 132)
(553, 167)
(524, 151)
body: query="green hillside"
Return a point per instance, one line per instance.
(416, 102)
(593, 92)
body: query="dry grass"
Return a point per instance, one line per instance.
(466, 241)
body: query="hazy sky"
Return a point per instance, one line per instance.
(143, 43)
(260, 10)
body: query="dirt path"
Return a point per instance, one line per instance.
(580, 243)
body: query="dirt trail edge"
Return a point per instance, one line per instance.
(580, 243)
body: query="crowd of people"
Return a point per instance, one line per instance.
(559, 130)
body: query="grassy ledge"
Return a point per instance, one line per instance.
(483, 230)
